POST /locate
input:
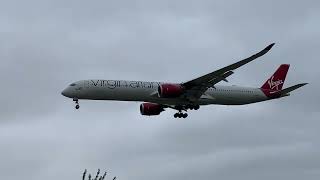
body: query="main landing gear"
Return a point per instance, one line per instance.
(180, 115)
(185, 108)
(76, 100)
(192, 107)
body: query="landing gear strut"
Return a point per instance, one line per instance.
(76, 100)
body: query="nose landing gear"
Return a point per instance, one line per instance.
(76, 100)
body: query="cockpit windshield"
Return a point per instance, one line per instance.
(73, 84)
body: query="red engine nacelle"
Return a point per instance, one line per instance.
(170, 90)
(150, 109)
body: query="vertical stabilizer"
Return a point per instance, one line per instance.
(276, 81)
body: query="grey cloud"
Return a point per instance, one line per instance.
(45, 45)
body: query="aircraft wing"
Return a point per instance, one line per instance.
(196, 87)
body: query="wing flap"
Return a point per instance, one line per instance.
(194, 93)
(220, 78)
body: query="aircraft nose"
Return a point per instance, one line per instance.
(65, 93)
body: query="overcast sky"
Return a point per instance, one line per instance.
(47, 44)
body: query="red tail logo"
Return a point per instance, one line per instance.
(274, 84)
(276, 81)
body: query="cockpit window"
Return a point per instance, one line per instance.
(73, 84)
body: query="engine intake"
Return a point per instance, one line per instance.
(150, 109)
(170, 90)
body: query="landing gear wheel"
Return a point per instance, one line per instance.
(77, 106)
(192, 106)
(180, 115)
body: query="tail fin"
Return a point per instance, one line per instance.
(276, 81)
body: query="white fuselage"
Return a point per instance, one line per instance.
(120, 90)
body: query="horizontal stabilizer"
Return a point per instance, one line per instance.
(285, 91)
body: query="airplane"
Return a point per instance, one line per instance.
(190, 95)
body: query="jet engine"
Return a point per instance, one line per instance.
(170, 90)
(150, 109)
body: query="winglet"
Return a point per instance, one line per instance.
(261, 53)
(269, 47)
